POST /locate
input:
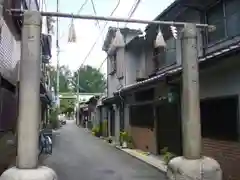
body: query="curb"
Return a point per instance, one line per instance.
(137, 157)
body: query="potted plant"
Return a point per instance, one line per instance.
(124, 139)
(96, 131)
(167, 156)
(130, 142)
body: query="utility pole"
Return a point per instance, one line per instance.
(29, 105)
(192, 165)
(58, 66)
(78, 86)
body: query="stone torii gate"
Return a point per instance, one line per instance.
(191, 166)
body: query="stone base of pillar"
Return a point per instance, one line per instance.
(180, 168)
(41, 173)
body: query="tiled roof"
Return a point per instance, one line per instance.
(179, 68)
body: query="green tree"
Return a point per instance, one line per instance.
(65, 77)
(91, 80)
(67, 106)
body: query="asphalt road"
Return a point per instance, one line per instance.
(77, 155)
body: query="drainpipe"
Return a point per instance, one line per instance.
(27, 157)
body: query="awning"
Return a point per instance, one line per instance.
(111, 100)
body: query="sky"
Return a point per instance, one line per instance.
(73, 54)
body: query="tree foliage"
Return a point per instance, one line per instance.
(91, 80)
(67, 106)
(65, 77)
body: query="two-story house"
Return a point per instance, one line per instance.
(156, 100)
(121, 72)
(10, 54)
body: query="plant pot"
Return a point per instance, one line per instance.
(124, 144)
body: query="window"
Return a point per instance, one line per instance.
(232, 17)
(219, 118)
(215, 16)
(156, 54)
(166, 56)
(142, 116)
(226, 17)
(145, 95)
(170, 53)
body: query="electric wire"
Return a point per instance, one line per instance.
(78, 12)
(131, 12)
(100, 35)
(95, 13)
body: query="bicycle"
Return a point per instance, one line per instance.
(45, 144)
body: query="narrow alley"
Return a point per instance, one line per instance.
(79, 155)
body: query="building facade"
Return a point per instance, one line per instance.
(121, 72)
(153, 102)
(10, 54)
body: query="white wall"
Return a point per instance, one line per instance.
(127, 65)
(222, 79)
(131, 67)
(113, 82)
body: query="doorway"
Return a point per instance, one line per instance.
(112, 121)
(169, 127)
(121, 116)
